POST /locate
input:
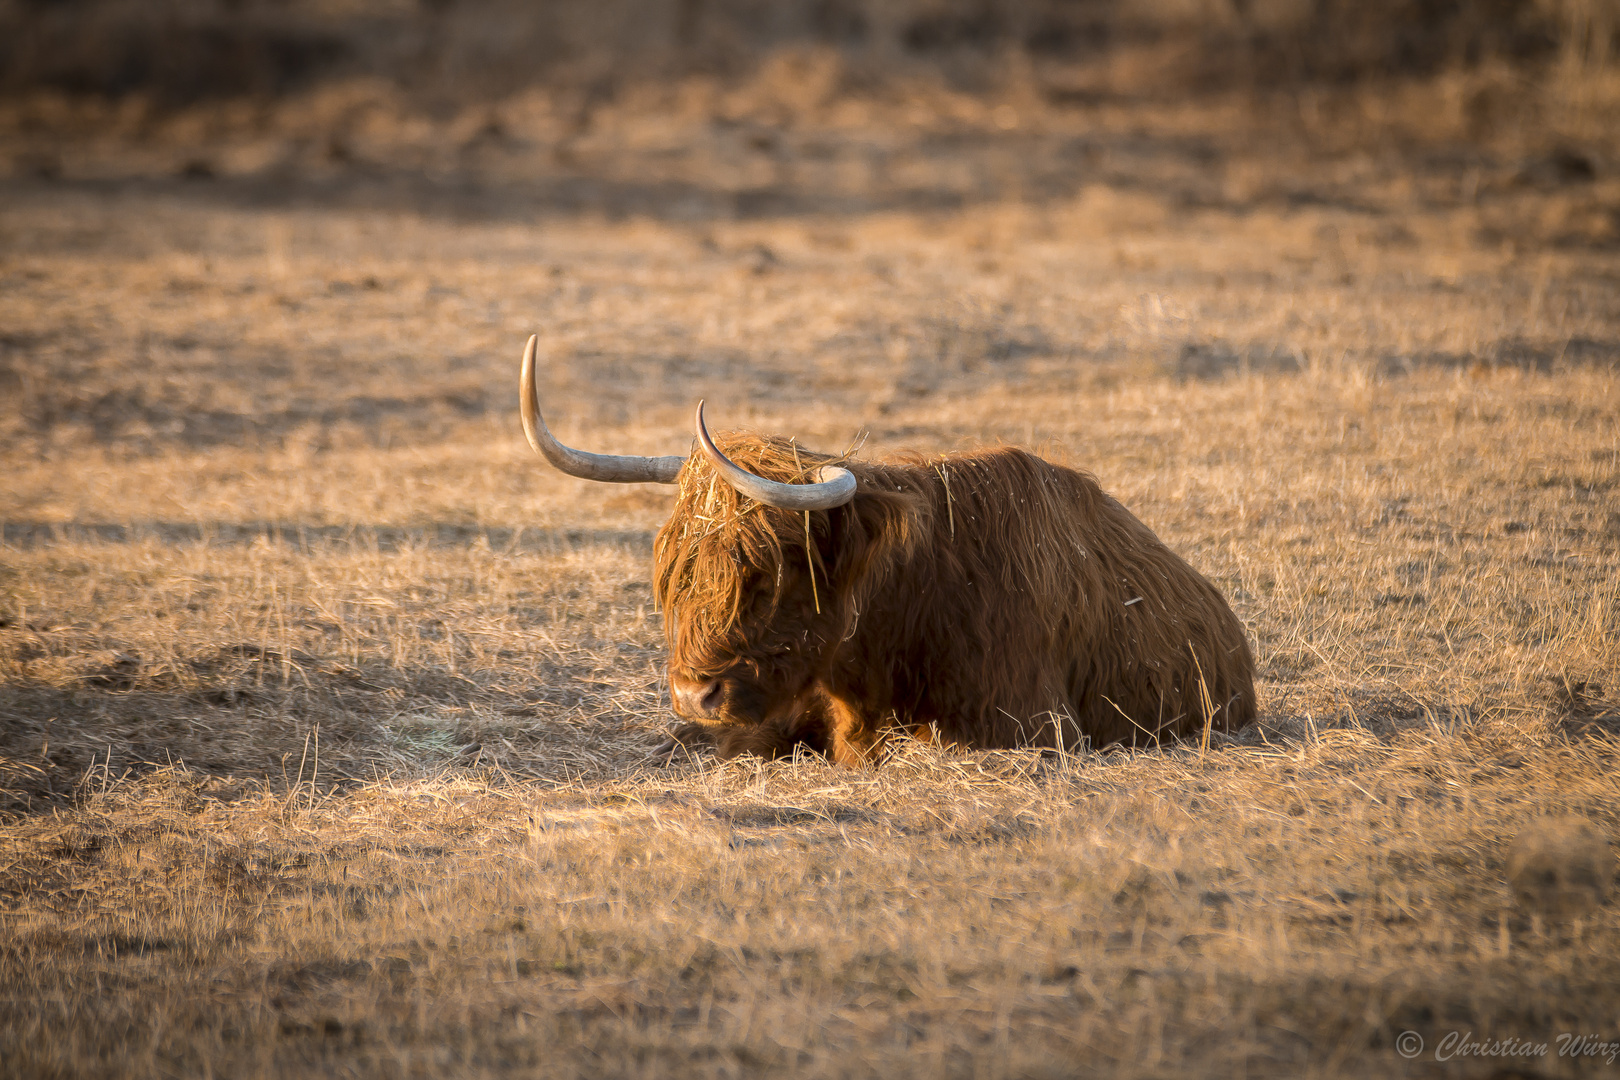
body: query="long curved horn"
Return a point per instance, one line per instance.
(834, 486)
(612, 468)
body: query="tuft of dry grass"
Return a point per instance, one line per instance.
(324, 708)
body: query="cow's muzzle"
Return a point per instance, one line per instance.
(701, 700)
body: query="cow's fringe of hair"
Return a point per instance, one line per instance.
(717, 536)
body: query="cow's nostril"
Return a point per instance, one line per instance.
(698, 699)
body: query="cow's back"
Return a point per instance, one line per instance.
(1034, 607)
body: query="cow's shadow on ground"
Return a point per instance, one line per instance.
(247, 712)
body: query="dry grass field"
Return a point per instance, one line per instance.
(325, 707)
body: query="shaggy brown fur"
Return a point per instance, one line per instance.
(989, 599)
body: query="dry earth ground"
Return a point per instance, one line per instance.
(324, 707)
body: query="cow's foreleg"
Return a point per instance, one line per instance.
(854, 740)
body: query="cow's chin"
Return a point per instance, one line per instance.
(739, 716)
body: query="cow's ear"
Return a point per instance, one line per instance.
(872, 533)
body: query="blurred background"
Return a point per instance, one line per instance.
(695, 108)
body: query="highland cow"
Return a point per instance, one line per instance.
(987, 599)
